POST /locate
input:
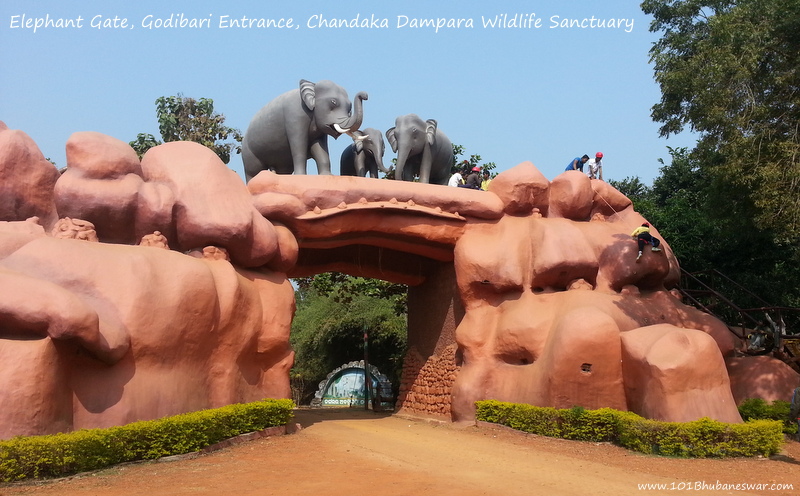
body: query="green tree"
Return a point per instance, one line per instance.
(144, 142)
(684, 206)
(632, 187)
(186, 119)
(333, 312)
(729, 70)
(474, 160)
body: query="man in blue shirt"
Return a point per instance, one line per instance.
(577, 163)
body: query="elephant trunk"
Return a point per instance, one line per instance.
(355, 120)
(379, 163)
(402, 157)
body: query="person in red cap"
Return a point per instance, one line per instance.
(473, 179)
(643, 237)
(596, 166)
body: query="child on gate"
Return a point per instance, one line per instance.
(643, 237)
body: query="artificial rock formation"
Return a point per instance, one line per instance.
(164, 289)
(555, 301)
(96, 334)
(26, 179)
(180, 189)
(556, 309)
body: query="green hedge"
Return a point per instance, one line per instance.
(700, 438)
(58, 455)
(758, 409)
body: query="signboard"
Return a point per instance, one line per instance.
(346, 389)
(345, 386)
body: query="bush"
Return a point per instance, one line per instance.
(758, 409)
(58, 455)
(700, 438)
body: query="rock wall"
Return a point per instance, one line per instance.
(133, 290)
(96, 330)
(430, 366)
(427, 383)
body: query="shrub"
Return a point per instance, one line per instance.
(58, 455)
(700, 438)
(758, 409)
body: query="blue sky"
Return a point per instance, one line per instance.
(543, 94)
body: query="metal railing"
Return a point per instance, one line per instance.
(763, 328)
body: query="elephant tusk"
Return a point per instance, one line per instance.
(339, 129)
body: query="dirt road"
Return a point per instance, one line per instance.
(353, 452)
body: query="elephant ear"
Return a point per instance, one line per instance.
(430, 131)
(390, 135)
(307, 93)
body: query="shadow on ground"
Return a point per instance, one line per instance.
(306, 416)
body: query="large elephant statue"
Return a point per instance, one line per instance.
(295, 126)
(421, 149)
(365, 155)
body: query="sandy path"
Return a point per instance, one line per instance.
(352, 452)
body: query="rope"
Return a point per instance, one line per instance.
(606, 202)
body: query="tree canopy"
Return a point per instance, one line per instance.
(186, 119)
(729, 70)
(683, 204)
(333, 313)
(474, 160)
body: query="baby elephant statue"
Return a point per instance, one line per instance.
(295, 126)
(364, 155)
(422, 149)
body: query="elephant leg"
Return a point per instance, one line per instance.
(298, 138)
(252, 164)
(361, 169)
(299, 161)
(425, 166)
(319, 152)
(372, 168)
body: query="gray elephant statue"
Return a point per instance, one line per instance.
(422, 149)
(365, 155)
(295, 126)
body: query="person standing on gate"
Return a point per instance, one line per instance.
(456, 179)
(473, 180)
(595, 166)
(487, 180)
(577, 163)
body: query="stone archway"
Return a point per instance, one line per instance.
(345, 386)
(395, 231)
(510, 287)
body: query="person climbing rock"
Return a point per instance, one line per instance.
(643, 237)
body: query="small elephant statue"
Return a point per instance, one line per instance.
(365, 155)
(295, 126)
(422, 149)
